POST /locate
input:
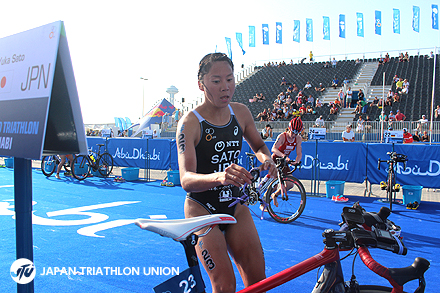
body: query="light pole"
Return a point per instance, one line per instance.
(143, 96)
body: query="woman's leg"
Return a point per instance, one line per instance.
(212, 251)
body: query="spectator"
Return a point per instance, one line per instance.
(401, 57)
(358, 61)
(416, 136)
(337, 102)
(334, 62)
(391, 116)
(399, 85)
(283, 81)
(389, 101)
(406, 57)
(263, 116)
(334, 109)
(437, 113)
(302, 109)
(407, 137)
(360, 124)
(155, 134)
(261, 98)
(380, 104)
(307, 85)
(361, 95)
(425, 136)
(383, 117)
(347, 134)
(267, 132)
(349, 96)
(320, 88)
(431, 55)
(318, 103)
(396, 98)
(375, 102)
(387, 58)
(400, 116)
(311, 57)
(309, 109)
(335, 82)
(326, 65)
(310, 100)
(346, 81)
(341, 95)
(422, 122)
(290, 88)
(319, 122)
(368, 125)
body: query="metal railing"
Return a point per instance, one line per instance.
(371, 131)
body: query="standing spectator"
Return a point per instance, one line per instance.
(407, 137)
(425, 136)
(400, 116)
(346, 81)
(348, 97)
(176, 115)
(391, 116)
(347, 134)
(311, 57)
(383, 117)
(267, 132)
(341, 95)
(422, 122)
(334, 62)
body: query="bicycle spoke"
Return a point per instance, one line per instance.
(81, 168)
(105, 164)
(48, 165)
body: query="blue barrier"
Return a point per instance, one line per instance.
(349, 162)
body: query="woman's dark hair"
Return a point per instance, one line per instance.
(207, 61)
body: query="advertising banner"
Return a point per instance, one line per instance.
(342, 26)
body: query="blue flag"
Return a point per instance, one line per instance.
(265, 34)
(279, 31)
(360, 24)
(228, 46)
(396, 21)
(309, 30)
(296, 31)
(252, 36)
(239, 38)
(416, 18)
(342, 26)
(434, 16)
(378, 22)
(326, 27)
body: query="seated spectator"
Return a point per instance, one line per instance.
(261, 98)
(387, 58)
(431, 55)
(337, 102)
(406, 57)
(288, 101)
(334, 109)
(375, 102)
(295, 88)
(283, 81)
(416, 136)
(360, 124)
(425, 136)
(364, 106)
(318, 103)
(380, 104)
(358, 108)
(319, 122)
(383, 117)
(335, 82)
(309, 109)
(346, 81)
(320, 88)
(400, 116)
(395, 78)
(361, 95)
(310, 100)
(368, 125)
(326, 65)
(347, 134)
(357, 61)
(422, 122)
(404, 90)
(391, 116)
(407, 137)
(308, 85)
(389, 101)
(399, 84)
(302, 109)
(381, 60)
(401, 57)
(437, 113)
(263, 116)
(290, 88)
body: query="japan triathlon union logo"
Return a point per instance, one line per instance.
(23, 271)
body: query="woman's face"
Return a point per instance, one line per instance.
(219, 84)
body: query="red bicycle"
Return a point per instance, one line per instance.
(360, 230)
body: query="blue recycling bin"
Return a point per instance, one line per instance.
(411, 194)
(334, 188)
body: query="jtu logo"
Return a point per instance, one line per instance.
(23, 271)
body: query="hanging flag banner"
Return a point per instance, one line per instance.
(265, 34)
(239, 38)
(434, 16)
(296, 31)
(360, 24)
(396, 21)
(40, 110)
(279, 33)
(252, 36)
(326, 27)
(416, 18)
(229, 48)
(378, 22)
(309, 30)
(342, 26)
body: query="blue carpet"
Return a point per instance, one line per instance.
(85, 226)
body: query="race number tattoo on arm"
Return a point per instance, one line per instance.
(181, 143)
(208, 260)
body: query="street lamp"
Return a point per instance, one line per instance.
(143, 96)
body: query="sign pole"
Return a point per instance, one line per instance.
(23, 215)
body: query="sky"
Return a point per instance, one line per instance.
(115, 43)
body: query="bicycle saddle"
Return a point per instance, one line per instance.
(180, 229)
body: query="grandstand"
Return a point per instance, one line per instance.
(418, 71)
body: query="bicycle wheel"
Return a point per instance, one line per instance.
(105, 163)
(81, 169)
(291, 205)
(48, 165)
(390, 188)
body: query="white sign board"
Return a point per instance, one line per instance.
(317, 133)
(393, 136)
(38, 97)
(147, 133)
